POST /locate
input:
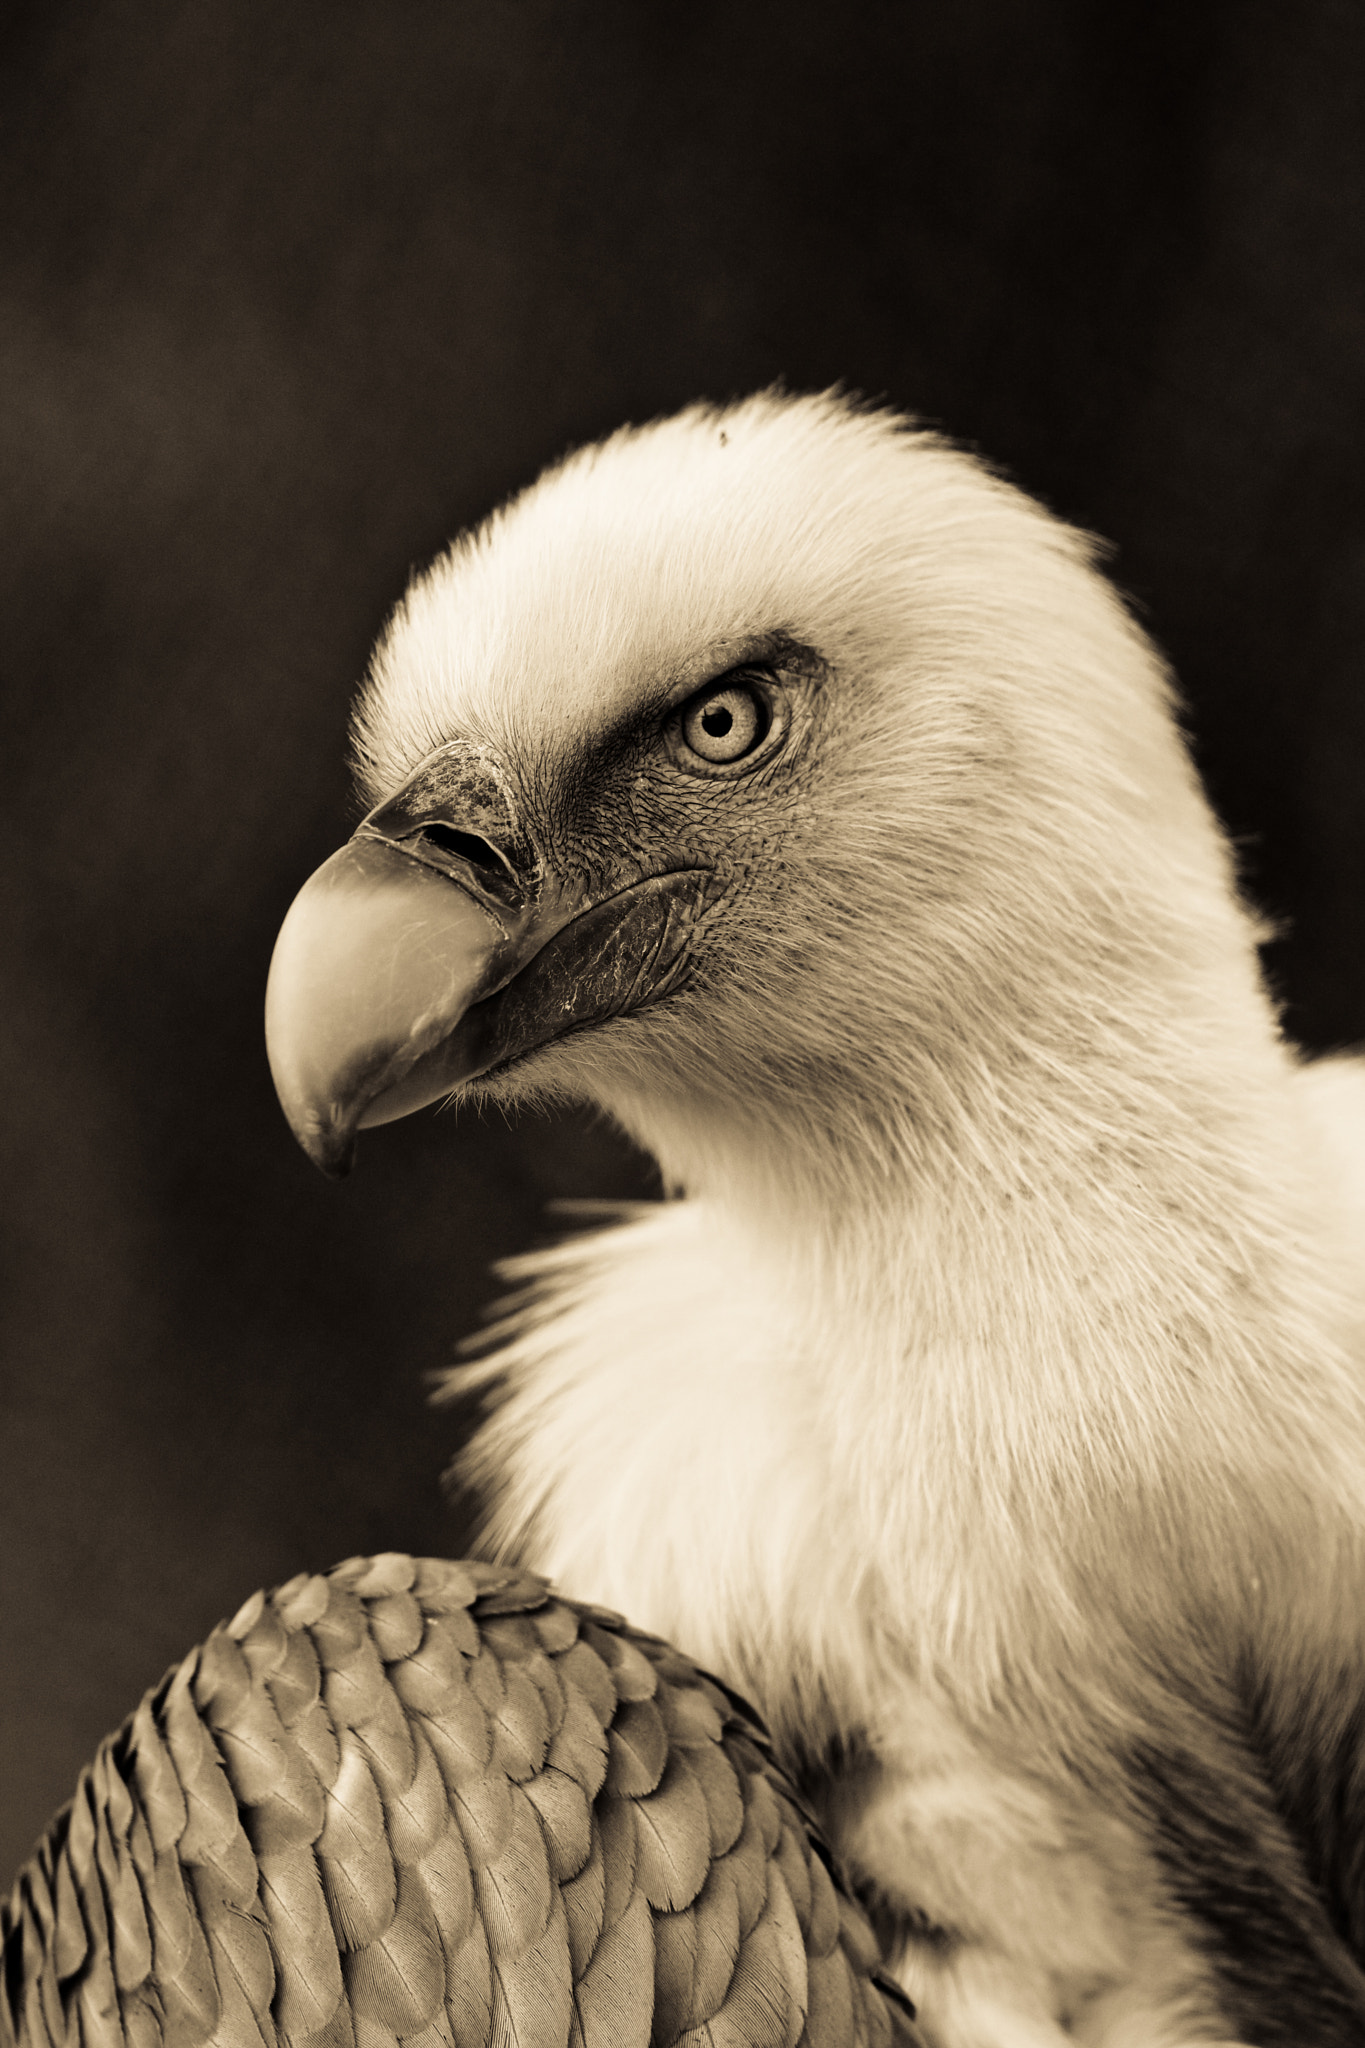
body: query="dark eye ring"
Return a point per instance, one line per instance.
(724, 723)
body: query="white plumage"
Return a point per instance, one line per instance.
(991, 1403)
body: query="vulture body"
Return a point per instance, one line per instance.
(989, 1401)
(424, 1802)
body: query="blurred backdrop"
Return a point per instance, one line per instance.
(290, 293)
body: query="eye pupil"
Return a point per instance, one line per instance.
(726, 722)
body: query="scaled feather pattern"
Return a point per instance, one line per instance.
(428, 1802)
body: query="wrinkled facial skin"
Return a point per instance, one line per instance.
(631, 802)
(622, 803)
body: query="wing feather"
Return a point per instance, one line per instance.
(428, 1803)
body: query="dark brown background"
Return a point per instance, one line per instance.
(290, 293)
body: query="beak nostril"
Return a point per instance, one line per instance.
(469, 846)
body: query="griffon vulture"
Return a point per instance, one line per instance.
(988, 1399)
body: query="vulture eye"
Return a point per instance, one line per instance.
(726, 722)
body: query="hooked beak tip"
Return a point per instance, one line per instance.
(332, 1154)
(330, 1142)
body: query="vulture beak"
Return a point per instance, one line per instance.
(437, 946)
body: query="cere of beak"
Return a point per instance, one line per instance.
(378, 958)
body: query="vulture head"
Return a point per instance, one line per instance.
(785, 783)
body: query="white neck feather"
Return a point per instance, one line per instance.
(1123, 1340)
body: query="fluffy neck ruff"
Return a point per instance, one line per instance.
(967, 1397)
